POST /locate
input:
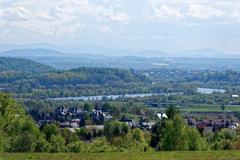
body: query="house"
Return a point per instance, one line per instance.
(107, 116)
(74, 123)
(233, 126)
(161, 115)
(146, 125)
(128, 121)
(64, 124)
(235, 96)
(97, 117)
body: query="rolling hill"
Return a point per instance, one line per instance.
(23, 65)
(38, 52)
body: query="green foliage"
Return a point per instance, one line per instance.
(87, 107)
(18, 132)
(12, 65)
(78, 147)
(43, 145)
(172, 112)
(133, 141)
(24, 142)
(223, 106)
(195, 141)
(57, 143)
(69, 136)
(115, 129)
(78, 82)
(51, 130)
(175, 137)
(223, 139)
(99, 145)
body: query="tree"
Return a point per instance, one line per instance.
(175, 137)
(87, 107)
(43, 145)
(78, 147)
(99, 145)
(18, 132)
(57, 143)
(171, 112)
(50, 130)
(69, 136)
(223, 107)
(106, 107)
(115, 128)
(195, 141)
(24, 142)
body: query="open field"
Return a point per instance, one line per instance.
(207, 155)
(210, 108)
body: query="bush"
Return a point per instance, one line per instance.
(115, 129)
(78, 147)
(99, 145)
(57, 144)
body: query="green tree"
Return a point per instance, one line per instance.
(78, 147)
(50, 130)
(24, 142)
(195, 141)
(18, 132)
(175, 137)
(223, 107)
(171, 112)
(99, 145)
(115, 128)
(69, 136)
(87, 107)
(57, 143)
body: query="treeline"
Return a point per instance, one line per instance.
(78, 82)
(179, 75)
(19, 133)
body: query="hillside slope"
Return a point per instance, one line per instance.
(22, 65)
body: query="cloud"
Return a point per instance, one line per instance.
(85, 20)
(165, 12)
(195, 10)
(16, 14)
(204, 12)
(59, 17)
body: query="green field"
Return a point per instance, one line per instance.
(209, 155)
(210, 108)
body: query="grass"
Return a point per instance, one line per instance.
(210, 108)
(205, 155)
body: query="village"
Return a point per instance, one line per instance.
(76, 118)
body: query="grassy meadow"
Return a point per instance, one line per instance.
(205, 155)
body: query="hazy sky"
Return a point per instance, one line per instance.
(166, 25)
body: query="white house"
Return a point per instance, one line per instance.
(161, 115)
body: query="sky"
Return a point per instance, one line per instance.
(167, 25)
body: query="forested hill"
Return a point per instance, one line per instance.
(23, 65)
(103, 75)
(77, 82)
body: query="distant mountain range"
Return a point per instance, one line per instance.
(32, 53)
(48, 50)
(205, 59)
(205, 53)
